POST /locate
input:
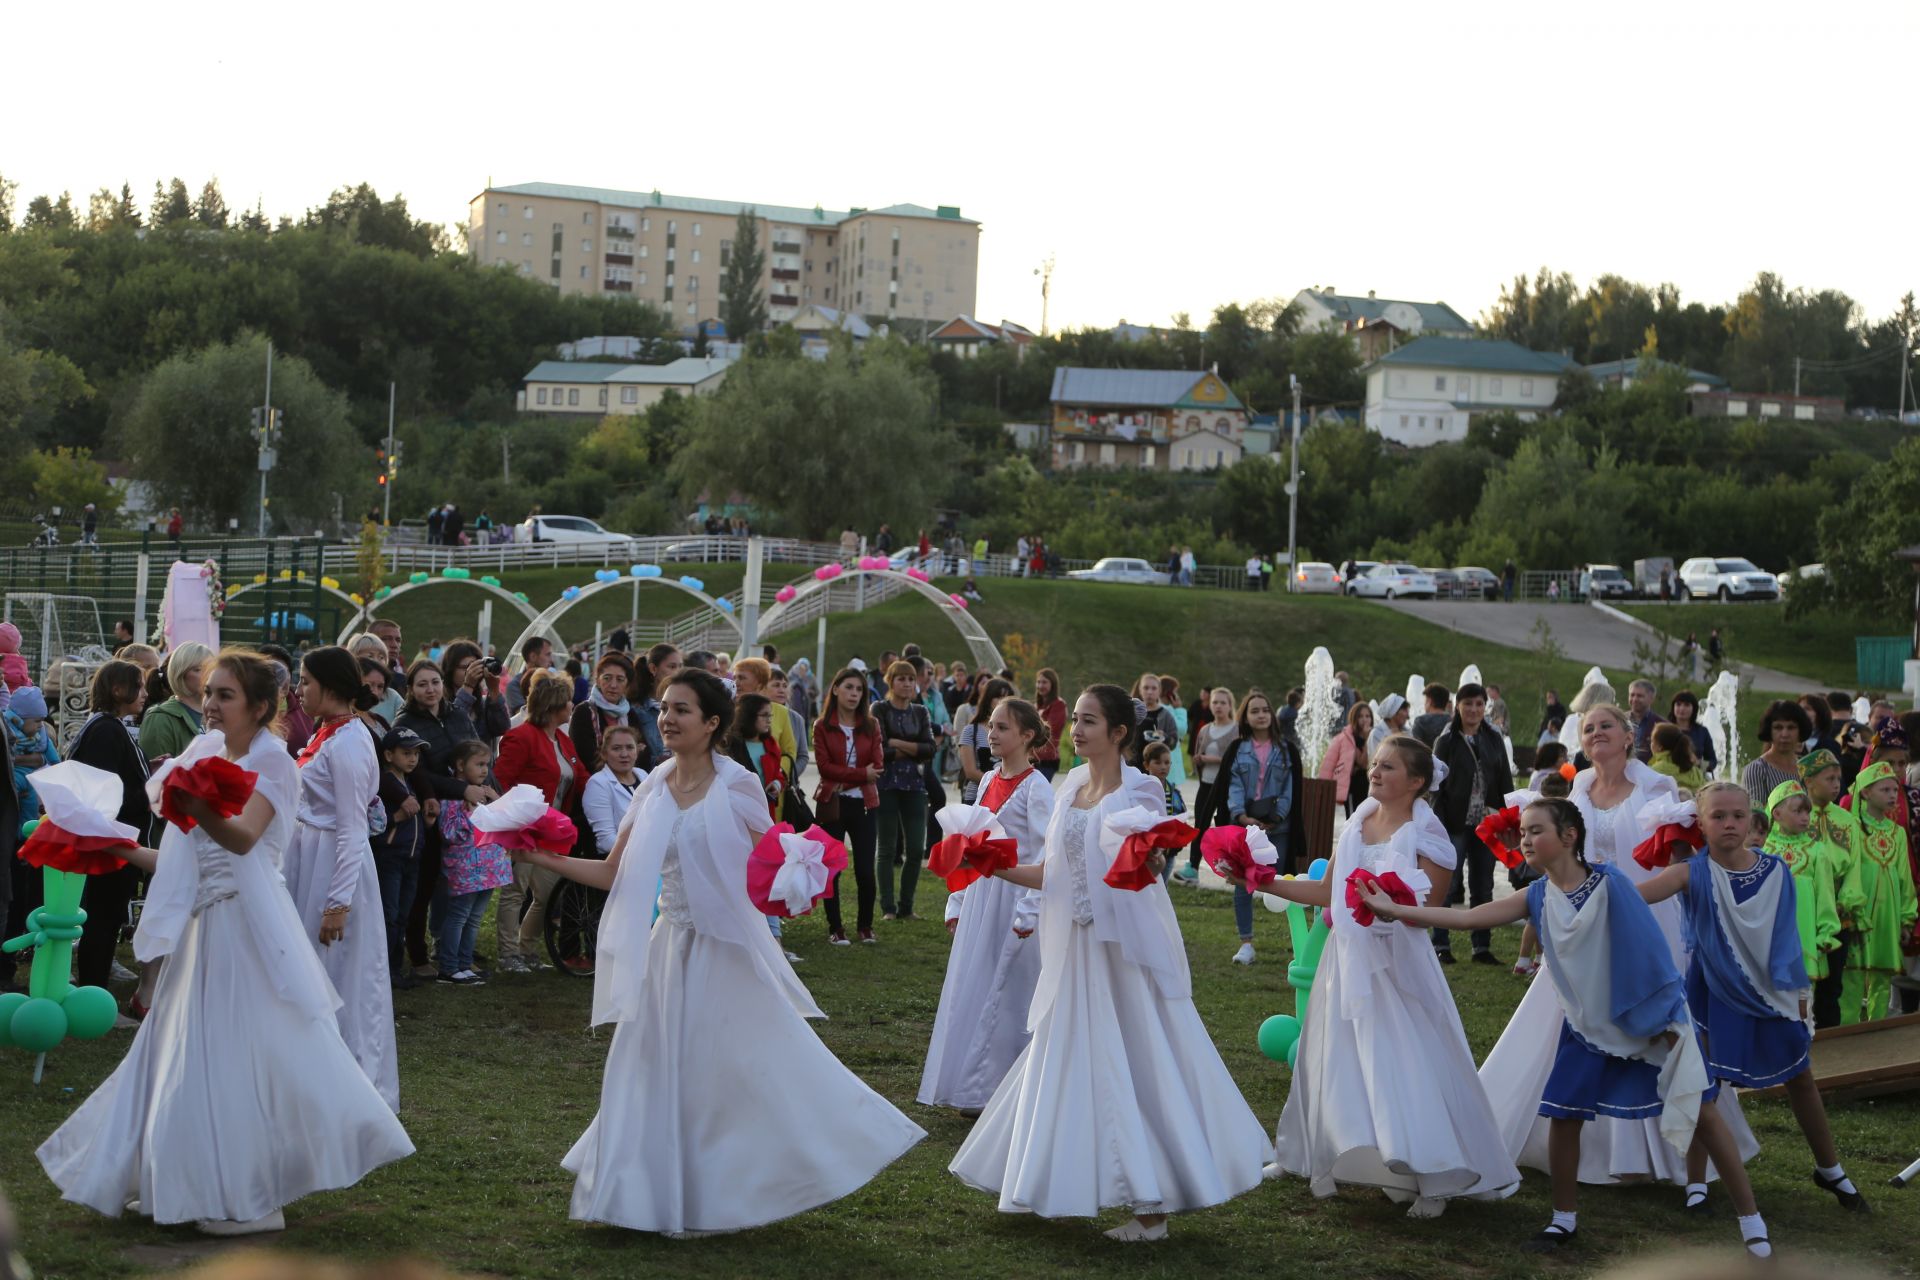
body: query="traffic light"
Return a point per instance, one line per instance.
(386, 467)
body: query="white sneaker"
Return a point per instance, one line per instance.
(1133, 1231)
(123, 974)
(275, 1221)
(794, 957)
(1244, 955)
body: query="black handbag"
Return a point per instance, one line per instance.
(794, 810)
(1265, 809)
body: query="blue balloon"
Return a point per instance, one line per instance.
(724, 604)
(571, 593)
(1317, 870)
(693, 584)
(606, 575)
(645, 570)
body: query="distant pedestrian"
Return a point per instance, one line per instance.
(1666, 586)
(174, 525)
(1253, 573)
(1507, 577)
(436, 521)
(1716, 651)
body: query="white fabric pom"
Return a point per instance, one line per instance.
(1667, 810)
(521, 807)
(81, 800)
(1439, 775)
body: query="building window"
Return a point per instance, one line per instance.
(1440, 382)
(670, 253)
(726, 252)
(693, 284)
(646, 224)
(1403, 422)
(573, 395)
(1423, 422)
(696, 228)
(1222, 426)
(629, 395)
(1193, 422)
(503, 208)
(1219, 457)
(690, 308)
(583, 271)
(643, 251)
(526, 266)
(673, 225)
(586, 246)
(540, 396)
(667, 296)
(603, 397)
(643, 277)
(499, 237)
(586, 219)
(526, 239)
(829, 234)
(1493, 386)
(696, 255)
(527, 213)
(1106, 454)
(1079, 451)
(1147, 456)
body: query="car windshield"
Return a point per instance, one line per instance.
(1407, 568)
(1601, 571)
(1735, 566)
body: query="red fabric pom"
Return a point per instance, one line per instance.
(1656, 850)
(224, 785)
(1500, 832)
(1390, 884)
(1129, 870)
(1226, 851)
(552, 832)
(960, 860)
(769, 857)
(49, 846)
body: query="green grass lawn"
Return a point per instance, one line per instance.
(1102, 631)
(498, 1082)
(1819, 647)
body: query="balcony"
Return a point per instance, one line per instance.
(617, 286)
(785, 273)
(619, 259)
(782, 247)
(617, 232)
(782, 300)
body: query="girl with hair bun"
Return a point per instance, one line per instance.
(715, 1089)
(329, 863)
(1119, 1063)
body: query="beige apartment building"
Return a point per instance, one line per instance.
(903, 262)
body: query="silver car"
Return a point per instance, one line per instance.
(1121, 569)
(1727, 578)
(1393, 582)
(1317, 577)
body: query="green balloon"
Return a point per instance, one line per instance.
(28, 827)
(1293, 1052)
(91, 1012)
(8, 1004)
(1278, 1037)
(38, 1025)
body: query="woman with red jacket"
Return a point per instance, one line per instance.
(847, 752)
(1345, 764)
(539, 753)
(1053, 710)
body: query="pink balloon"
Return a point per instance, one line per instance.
(827, 572)
(873, 562)
(918, 575)
(784, 594)
(959, 601)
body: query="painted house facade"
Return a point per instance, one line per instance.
(1146, 419)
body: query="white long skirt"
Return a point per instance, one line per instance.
(1611, 1150)
(720, 1108)
(1390, 1099)
(231, 1102)
(1120, 1101)
(982, 1024)
(357, 963)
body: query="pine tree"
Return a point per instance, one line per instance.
(7, 190)
(128, 215)
(211, 207)
(157, 211)
(44, 214)
(742, 305)
(254, 219)
(178, 207)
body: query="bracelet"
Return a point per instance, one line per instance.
(336, 911)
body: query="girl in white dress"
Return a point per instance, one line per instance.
(238, 1095)
(1384, 1090)
(720, 1109)
(1120, 1100)
(1609, 796)
(330, 869)
(982, 1024)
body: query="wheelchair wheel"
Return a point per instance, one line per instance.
(573, 924)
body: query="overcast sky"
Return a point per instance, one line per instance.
(1171, 157)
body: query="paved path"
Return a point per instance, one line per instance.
(1585, 633)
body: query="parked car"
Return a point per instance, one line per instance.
(1120, 569)
(1317, 577)
(1646, 576)
(1478, 582)
(1605, 582)
(1727, 578)
(1393, 582)
(569, 529)
(1446, 583)
(1805, 573)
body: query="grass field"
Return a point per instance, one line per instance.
(1818, 647)
(1099, 631)
(498, 1082)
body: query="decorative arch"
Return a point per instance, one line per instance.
(542, 623)
(981, 650)
(352, 606)
(363, 614)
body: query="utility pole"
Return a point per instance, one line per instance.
(1293, 489)
(1045, 272)
(386, 512)
(1796, 377)
(1906, 364)
(266, 423)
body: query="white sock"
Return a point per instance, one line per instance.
(1838, 1176)
(1753, 1227)
(1564, 1219)
(1696, 1192)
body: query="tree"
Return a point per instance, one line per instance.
(211, 208)
(69, 479)
(187, 433)
(819, 443)
(1538, 315)
(742, 304)
(34, 387)
(50, 215)
(369, 220)
(171, 206)
(7, 191)
(1859, 536)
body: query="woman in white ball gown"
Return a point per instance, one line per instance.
(237, 1096)
(1120, 1100)
(995, 963)
(720, 1109)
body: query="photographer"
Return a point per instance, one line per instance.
(475, 681)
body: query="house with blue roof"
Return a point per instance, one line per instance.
(598, 388)
(1378, 325)
(1147, 419)
(1621, 373)
(1427, 391)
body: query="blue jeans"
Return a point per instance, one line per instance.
(399, 878)
(460, 930)
(1243, 913)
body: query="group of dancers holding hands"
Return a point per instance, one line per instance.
(1067, 1023)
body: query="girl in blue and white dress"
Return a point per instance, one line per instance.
(1628, 1048)
(1384, 1090)
(995, 963)
(1120, 1100)
(1747, 984)
(238, 1095)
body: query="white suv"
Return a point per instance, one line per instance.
(577, 530)
(1727, 578)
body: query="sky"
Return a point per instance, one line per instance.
(1170, 159)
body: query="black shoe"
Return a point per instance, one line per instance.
(1485, 957)
(1851, 1201)
(1445, 956)
(1700, 1208)
(405, 981)
(1550, 1240)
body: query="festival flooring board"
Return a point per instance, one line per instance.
(1865, 1059)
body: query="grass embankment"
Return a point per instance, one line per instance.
(1819, 647)
(1100, 631)
(498, 1082)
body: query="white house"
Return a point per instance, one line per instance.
(1378, 325)
(598, 388)
(1426, 391)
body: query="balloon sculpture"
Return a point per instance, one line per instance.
(1280, 1035)
(78, 837)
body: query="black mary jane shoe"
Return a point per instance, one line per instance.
(1851, 1201)
(1550, 1239)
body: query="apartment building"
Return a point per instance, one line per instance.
(904, 261)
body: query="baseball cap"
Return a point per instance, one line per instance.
(401, 740)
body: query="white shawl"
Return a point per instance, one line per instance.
(1749, 929)
(1369, 949)
(734, 810)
